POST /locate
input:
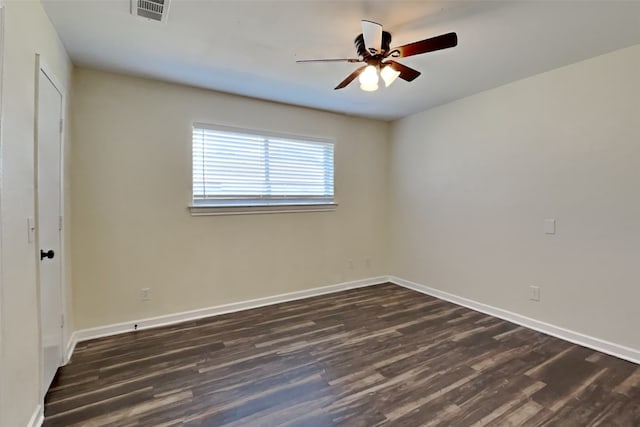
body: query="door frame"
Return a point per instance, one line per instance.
(41, 66)
(1, 158)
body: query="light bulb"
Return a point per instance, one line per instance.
(388, 74)
(369, 79)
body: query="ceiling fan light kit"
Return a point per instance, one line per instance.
(373, 48)
(369, 77)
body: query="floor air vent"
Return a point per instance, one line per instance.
(156, 10)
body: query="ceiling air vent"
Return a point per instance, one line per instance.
(156, 10)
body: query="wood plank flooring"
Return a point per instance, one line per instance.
(381, 355)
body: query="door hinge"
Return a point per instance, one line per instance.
(60, 223)
(62, 320)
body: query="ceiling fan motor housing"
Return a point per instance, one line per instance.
(362, 49)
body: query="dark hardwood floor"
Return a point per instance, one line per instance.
(381, 355)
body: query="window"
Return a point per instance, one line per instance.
(235, 169)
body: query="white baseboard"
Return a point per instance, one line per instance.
(71, 345)
(37, 418)
(170, 319)
(623, 352)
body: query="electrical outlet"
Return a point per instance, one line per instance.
(549, 226)
(350, 264)
(367, 262)
(534, 293)
(145, 294)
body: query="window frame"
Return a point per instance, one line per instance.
(285, 204)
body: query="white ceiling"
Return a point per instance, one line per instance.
(250, 47)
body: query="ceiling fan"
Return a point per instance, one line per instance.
(373, 48)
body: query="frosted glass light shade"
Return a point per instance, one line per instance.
(369, 87)
(388, 74)
(369, 79)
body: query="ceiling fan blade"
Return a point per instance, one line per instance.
(351, 77)
(372, 34)
(329, 60)
(443, 41)
(406, 73)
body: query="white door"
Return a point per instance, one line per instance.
(49, 143)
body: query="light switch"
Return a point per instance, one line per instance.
(31, 229)
(549, 226)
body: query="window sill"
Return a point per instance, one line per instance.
(204, 210)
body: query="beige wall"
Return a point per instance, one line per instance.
(131, 187)
(27, 32)
(472, 181)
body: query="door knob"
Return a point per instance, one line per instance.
(48, 254)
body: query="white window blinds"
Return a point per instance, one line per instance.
(236, 167)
